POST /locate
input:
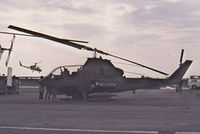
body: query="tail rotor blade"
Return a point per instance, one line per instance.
(181, 57)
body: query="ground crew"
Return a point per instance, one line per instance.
(41, 88)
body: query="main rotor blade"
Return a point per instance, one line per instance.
(75, 45)
(80, 41)
(16, 34)
(155, 70)
(69, 42)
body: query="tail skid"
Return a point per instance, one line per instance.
(180, 72)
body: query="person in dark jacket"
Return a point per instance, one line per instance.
(41, 88)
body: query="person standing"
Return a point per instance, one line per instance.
(41, 88)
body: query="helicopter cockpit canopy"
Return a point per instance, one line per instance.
(61, 71)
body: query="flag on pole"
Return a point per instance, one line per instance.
(12, 41)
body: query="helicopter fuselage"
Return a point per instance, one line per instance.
(99, 76)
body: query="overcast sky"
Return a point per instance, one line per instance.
(151, 32)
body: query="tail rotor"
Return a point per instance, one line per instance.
(179, 89)
(181, 57)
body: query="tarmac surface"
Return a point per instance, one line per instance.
(146, 112)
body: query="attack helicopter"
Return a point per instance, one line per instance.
(32, 67)
(99, 75)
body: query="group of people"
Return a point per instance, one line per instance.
(48, 91)
(3, 84)
(4, 89)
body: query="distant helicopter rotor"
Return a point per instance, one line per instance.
(37, 62)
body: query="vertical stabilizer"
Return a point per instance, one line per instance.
(180, 72)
